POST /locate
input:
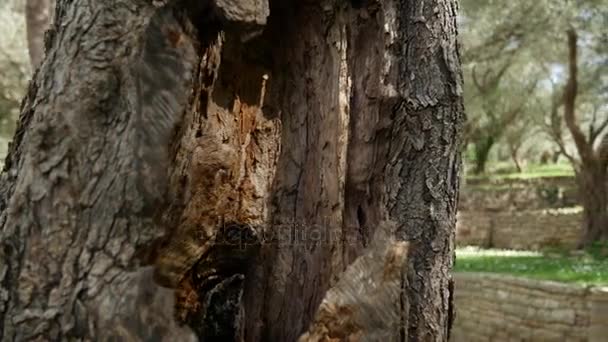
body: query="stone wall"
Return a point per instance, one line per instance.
(519, 214)
(519, 194)
(492, 307)
(528, 229)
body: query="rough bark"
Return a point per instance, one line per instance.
(80, 181)
(39, 16)
(302, 134)
(593, 185)
(424, 160)
(398, 162)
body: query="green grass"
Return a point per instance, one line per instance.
(579, 267)
(503, 171)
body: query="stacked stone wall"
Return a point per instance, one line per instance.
(527, 230)
(523, 214)
(492, 307)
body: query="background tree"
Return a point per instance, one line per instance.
(576, 117)
(519, 81)
(518, 135)
(497, 36)
(592, 165)
(250, 152)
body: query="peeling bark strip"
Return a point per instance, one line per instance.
(366, 304)
(298, 129)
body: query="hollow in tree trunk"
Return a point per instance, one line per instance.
(243, 161)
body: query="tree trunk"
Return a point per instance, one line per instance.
(514, 151)
(298, 141)
(482, 152)
(593, 186)
(38, 16)
(592, 170)
(80, 181)
(555, 157)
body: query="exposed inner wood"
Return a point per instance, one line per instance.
(296, 138)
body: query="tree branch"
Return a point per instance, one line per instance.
(570, 92)
(513, 114)
(501, 72)
(597, 132)
(555, 130)
(476, 80)
(591, 132)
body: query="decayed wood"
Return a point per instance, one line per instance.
(398, 65)
(302, 141)
(252, 12)
(222, 173)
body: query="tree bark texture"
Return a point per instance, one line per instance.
(294, 128)
(76, 193)
(593, 185)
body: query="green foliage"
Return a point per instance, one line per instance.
(514, 64)
(497, 38)
(598, 249)
(589, 267)
(550, 194)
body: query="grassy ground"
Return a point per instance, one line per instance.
(576, 267)
(501, 171)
